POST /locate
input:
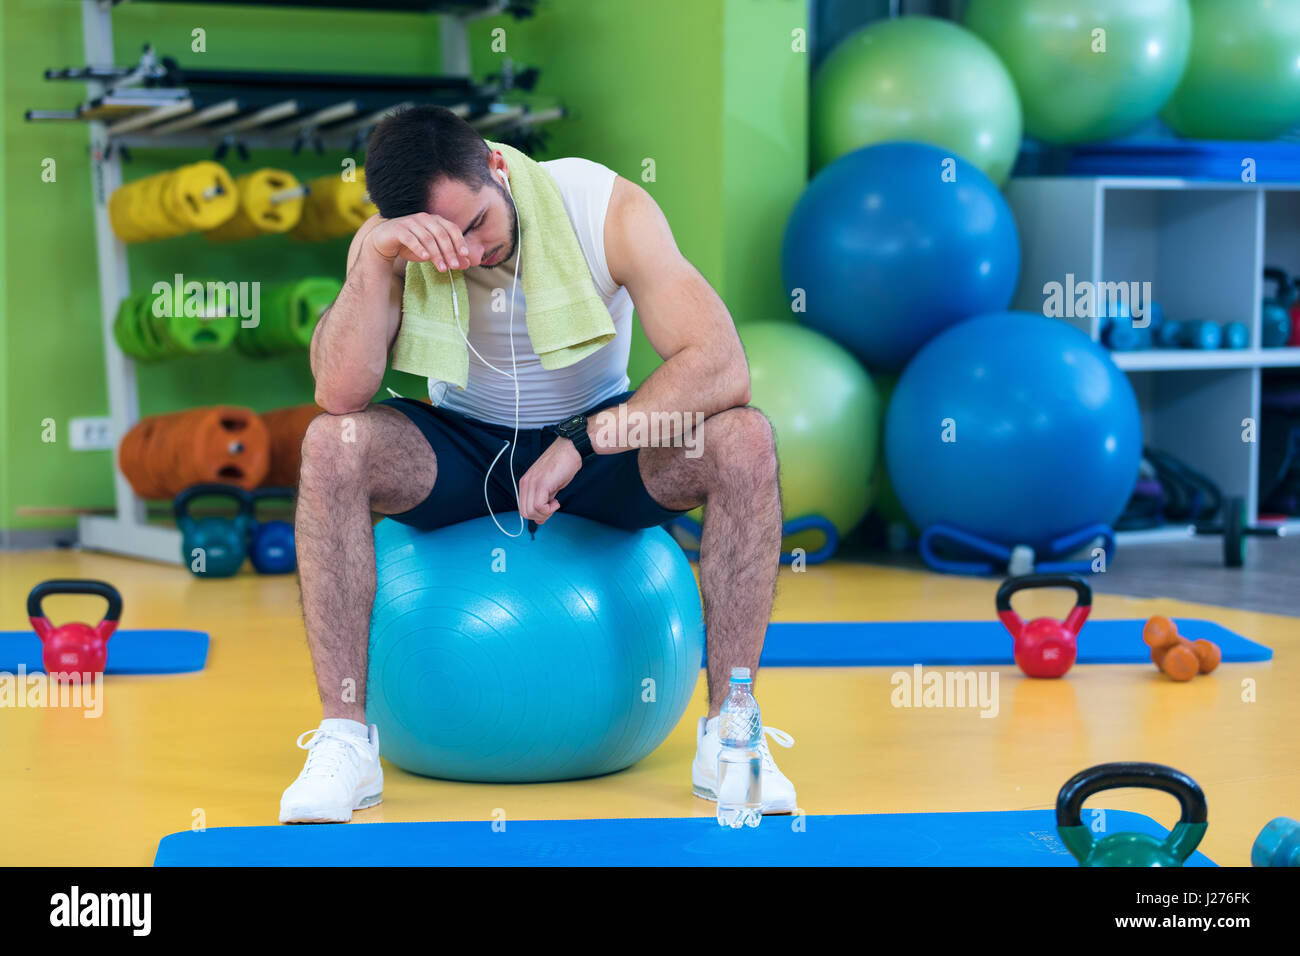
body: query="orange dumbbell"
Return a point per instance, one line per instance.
(1179, 658)
(1207, 654)
(1179, 661)
(1159, 632)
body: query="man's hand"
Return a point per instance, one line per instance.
(543, 481)
(422, 237)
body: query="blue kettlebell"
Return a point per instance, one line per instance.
(215, 546)
(271, 546)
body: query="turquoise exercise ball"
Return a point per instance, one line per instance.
(1243, 79)
(1087, 69)
(1014, 427)
(920, 79)
(520, 660)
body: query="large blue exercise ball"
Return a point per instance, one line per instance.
(501, 659)
(893, 243)
(1042, 428)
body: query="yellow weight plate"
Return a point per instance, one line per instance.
(147, 209)
(202, 195)
(259, 212)
(119, 215)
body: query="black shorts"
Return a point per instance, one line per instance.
(607, 488)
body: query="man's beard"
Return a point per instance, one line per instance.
(514, 227)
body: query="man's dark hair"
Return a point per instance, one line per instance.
(416, 147)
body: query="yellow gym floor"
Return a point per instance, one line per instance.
(218, 746)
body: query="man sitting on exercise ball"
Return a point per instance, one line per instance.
(447, 198)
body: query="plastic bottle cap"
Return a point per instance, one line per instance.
(740, 674)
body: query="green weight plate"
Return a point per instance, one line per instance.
(125, 331)
(312, 296)
(154, 348)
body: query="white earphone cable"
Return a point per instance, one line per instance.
(513, 375)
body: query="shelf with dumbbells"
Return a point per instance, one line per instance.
(158, 104)
(1205, 322)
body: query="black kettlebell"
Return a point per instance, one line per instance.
(1131, 849)
(215, 546)
(271, 547)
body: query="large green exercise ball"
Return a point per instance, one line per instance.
(1243, 78)
(919, 79)
(827, 418)
(1087, 69)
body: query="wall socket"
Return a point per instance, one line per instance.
(90, 434)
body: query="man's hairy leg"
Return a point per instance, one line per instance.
(740, 551)
(372, 460)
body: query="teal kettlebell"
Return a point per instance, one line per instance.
(1131, 849)
(272, 548)
(214, 547)
(1275, 326)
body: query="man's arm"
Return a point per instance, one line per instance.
(349, 349)
(353, 340)
(704, 368)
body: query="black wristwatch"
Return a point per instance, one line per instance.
(575, 429)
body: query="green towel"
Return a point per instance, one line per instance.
(566, 318)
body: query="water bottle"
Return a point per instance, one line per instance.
(740, 765)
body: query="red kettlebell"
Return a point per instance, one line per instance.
(1045, 647)
(74, 648)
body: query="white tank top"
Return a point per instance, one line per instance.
(545, 397)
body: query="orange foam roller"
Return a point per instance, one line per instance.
(222, 443)
(164, 454)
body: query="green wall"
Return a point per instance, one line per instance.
(5, 352)
(711, 92)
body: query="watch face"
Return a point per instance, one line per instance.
(571, 425)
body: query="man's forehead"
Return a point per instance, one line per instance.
(451, 199)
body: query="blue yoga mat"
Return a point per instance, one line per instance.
(1004, 838)
(904, 643)
(129, 652)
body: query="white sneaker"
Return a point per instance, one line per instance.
(778, 791)
(342, 774)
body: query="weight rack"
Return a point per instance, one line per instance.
(223, 109)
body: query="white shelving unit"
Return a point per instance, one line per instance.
(1203, 246)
